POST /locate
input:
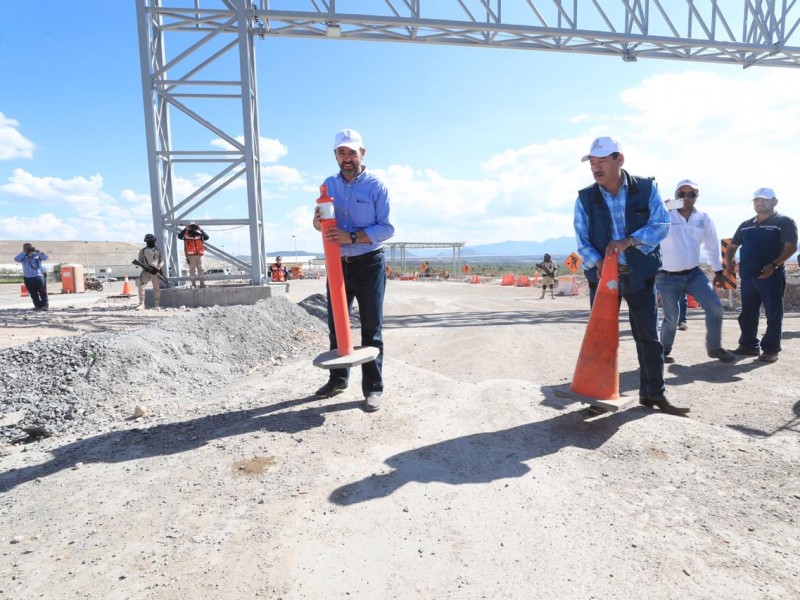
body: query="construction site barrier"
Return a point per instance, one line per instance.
(508, 279)
(524, 281)
(568, 285)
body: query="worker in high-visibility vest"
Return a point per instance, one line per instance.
(193, 237)
(278, 271)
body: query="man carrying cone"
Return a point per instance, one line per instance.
(624, 216)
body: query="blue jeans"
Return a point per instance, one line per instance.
(364, 281)
(37, 290)
(768, 292)
(643, 317)
(683, 305)
(672, 288)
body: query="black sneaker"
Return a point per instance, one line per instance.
(745, 351)
(668, 359)
(330, 389)
(723, 355)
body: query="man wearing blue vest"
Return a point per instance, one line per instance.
(624, 215)
(767, 240)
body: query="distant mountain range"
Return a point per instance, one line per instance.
(562, 246)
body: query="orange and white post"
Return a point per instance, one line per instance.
(345, 354)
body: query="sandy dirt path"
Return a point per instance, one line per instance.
(474, 481)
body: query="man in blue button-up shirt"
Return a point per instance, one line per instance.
(34, 274)
(622, 216)
(361, 206)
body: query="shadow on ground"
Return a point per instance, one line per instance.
(487, 456)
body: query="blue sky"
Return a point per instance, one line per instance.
(476, 145)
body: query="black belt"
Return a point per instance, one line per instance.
(686, 272)
(362, 257)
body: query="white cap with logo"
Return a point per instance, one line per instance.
(688, 182)
(349, 138)
(602, 147)
(764, 192)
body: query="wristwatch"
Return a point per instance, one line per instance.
(353, 236)
(777, 266)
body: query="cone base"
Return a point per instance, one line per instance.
(332, 360)
(609, 405)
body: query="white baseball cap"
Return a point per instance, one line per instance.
(349, 138)
(688, 182)
(767, 193)
(603, 146)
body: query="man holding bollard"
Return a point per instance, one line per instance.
(361, 209)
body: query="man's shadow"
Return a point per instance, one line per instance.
(173, 438)
(485, 457)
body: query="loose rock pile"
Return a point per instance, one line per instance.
(59, 384)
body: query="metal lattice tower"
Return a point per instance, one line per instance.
(182, 74)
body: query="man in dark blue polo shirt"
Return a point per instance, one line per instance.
(767, 241)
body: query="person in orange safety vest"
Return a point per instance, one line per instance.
(277, 271)
(193, 237)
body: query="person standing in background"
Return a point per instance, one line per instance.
(278, 271)
(767, 241)
(548, 269)
(193, 237)
(151, 257)
(680, 274)
(34, 275)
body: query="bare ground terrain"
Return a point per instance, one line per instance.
(474, 481)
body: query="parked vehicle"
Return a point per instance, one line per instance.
(93, 284)
(105, 279)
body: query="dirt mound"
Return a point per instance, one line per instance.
(56, 384)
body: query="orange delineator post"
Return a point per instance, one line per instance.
(597, 371)
(333, 264)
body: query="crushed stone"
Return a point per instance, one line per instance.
(75, 383)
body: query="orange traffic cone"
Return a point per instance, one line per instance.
(476, 279)
(23, 291)
(596, 377)
(126, 287)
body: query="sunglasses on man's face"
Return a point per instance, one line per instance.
(689, 195)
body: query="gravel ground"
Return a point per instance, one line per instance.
(55, 385)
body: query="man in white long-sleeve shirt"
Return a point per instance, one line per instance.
(681, 273)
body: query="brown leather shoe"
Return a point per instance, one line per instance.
(665, 406)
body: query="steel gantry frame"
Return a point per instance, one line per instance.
(175, 78)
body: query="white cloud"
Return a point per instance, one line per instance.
(12, 143)
(271, 150)
(78, 192)
(46, 226)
